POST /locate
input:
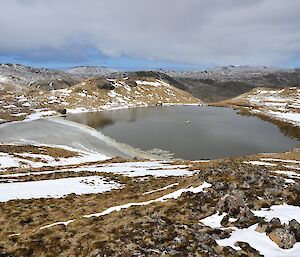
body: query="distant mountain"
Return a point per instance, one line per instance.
(20, 77)
(208, 85)
(227, 82)
(88, 71)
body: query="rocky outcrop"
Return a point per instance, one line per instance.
(284, 235)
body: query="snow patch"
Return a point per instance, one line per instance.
(55, 188)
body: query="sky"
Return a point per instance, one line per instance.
(150, 34)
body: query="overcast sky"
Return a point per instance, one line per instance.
(150, 33)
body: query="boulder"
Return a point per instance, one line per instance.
(295, 228)
(274, 223)
(262, 226)
(232, 203)
(62, 111)
(283, 237)
(106, 86)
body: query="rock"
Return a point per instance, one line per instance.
(283, 238)
(247, 248)
(62, 111)
(219, 185)
(232, 203)
(95, 253)
(229, 251)
(148, 241)
(262, 227)
(246, 218)
(180, 240)
(225, 221)
(106, 86)
(245, 185)
(295, 228)
(274, 223)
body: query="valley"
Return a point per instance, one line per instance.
(71, 184)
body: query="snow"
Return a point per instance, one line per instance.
(7, 161)
(65, 223)
(213, 221)
(164, 198)
(78, 110)
(284, 212)
(280, 160)
(81, 94)
(42, 160)
(293, 118)
(19, 114)
(21, 99)
(139, 169)
(3, 79)
(157, 83)
(29, 173)
(260, 163)
(259, 241)
(289, 181)
(112, 93)
(55, 188)
(40, 114)
(82, 158)
(57, 132)
(130, 169)
(283, 104)
(9, 106)
(292, 167)
(290, 174)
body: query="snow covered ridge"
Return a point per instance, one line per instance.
(281, 104)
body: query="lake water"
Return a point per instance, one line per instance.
(190, 132)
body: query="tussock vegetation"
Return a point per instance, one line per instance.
(171, 227)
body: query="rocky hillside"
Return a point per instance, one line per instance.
(276, 104)
(233, 207)
(93, 94)
(230, 81)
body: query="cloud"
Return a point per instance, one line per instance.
(189, 31)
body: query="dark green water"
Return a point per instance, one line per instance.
(190, 132)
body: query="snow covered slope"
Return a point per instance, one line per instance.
(280, 104)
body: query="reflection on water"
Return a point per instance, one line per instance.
(92, 119)
(191, 132)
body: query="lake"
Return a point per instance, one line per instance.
(190, 132)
